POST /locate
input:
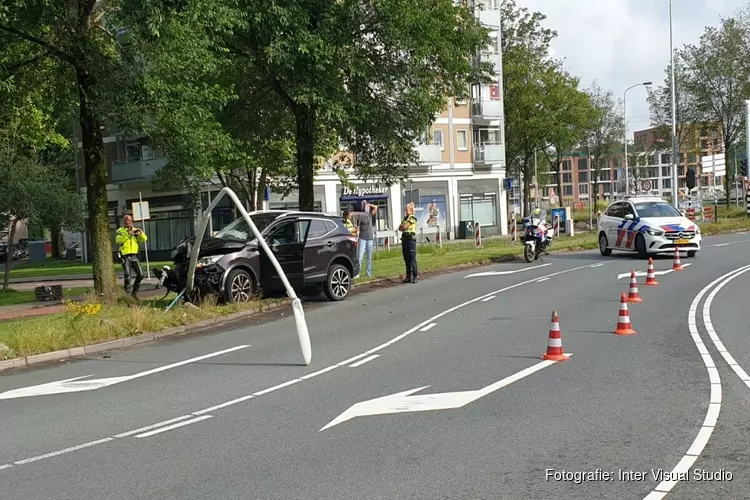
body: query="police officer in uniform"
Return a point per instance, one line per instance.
(128, 239)
(408, 230)
(347, 220)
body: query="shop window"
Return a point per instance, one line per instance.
(481, 208)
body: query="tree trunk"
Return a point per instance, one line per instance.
(9, 255)
(559, 182)
(526, 187)
(95, 172)
(727, 184)
(56, 237)
(305, 118)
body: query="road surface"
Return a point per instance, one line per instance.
(427, 391)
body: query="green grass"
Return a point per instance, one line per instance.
(14, 297)
(61, 268)
(29, 336)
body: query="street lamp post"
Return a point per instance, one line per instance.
(625, 119)
(675, 153)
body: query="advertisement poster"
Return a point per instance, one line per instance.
(431, 211)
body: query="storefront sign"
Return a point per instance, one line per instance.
(364, 192)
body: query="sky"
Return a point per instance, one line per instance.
(620, 43)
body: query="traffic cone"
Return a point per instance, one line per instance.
(633, 291)
(651, 275)
(677, 266)
(554, 344)
(623, 319)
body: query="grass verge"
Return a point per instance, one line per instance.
(84, 324)
(14, 297)
(60, 268)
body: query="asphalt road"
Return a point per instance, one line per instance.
(249, 423)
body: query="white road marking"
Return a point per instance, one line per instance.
(63, 451)
(404, 402)
(541, 279)
(363, 361)
(152, 426)
(597, 265)
(729, 243)
(487, 299)
(741, 373)
(428, 327)
(6, 466)
(714, 403)
(501, 273)
(722, 245)
(344, 363)
(173, 426)
(77, 385)
(656, 273)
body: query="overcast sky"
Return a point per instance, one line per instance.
(623, 42)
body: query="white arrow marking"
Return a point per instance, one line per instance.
(498, 273)
(403, 402)
(77, 385)
(656, 273)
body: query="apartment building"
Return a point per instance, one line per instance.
(458, 176)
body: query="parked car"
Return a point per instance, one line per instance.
(647, 226)
(313, 249)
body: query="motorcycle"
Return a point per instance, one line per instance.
(536, 236)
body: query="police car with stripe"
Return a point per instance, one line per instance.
(647, 226)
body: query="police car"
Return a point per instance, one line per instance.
(647, 226)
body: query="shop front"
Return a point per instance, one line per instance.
(479, 201)
(380, 196)
(431, 203)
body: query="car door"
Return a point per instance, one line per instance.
(287, 242)
(612, 218)
(319, 249)
(626, 228)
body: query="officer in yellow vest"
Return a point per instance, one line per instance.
(128, 239)
(347, 220)
(408, 230)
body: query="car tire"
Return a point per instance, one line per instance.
(603, 243)
(640, 246)
(692, 253)
(239, 287)
(338, 283)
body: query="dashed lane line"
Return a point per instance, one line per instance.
(173, 426)
(363, 361)
(309, 376)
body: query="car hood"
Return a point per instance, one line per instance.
(668, 224)
(216, 246)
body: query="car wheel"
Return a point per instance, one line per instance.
(603, 243)
(338, 283)
(239, 286)
(640, 246)
(692, 253)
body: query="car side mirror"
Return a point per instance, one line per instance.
(682, 213)
(629, 217)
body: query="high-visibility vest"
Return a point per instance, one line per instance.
(128, 244)
(411, 227)
(349, 225)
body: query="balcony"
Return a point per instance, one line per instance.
(136, 170)
(486, 109)
(487, 154)
(429, 154)
(489, 17)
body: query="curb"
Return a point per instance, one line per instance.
(73, 352)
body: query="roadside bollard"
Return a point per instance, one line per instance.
(477, 235)
(513, 229)
(556, 225)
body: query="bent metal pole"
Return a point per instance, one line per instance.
(299, 314)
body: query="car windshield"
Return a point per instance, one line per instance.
(238, 229)
(656, 209)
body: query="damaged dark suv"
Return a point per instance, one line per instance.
(313, 249)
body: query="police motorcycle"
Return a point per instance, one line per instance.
(536, 236)
(174, 278)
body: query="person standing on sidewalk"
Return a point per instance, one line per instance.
(128, 239)
(365, 226)
(408, 230)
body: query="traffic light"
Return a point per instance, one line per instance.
(690, 178)
(743, 168)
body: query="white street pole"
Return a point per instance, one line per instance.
(145, 245)
(591, 187)
(536, 182)
(625, 119)
(675, 153)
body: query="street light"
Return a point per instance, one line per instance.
(675, 154)
(625, 119)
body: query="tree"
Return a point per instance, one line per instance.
(375, 73)
(96, 53)
(717, 77)
(607, 129)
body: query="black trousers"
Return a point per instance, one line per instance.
(131, 264)
(409, 251)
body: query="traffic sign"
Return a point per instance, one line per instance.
(508, 183)
(646, 185)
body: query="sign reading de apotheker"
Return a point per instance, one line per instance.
(364, 191)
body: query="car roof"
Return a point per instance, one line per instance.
(281, 213)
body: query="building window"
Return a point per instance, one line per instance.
(604, 174)
(437, 138)
(653, 172)
(487, 136)
(583, 176)
(165, 230)
(666, 171)
(567, 177)
(583, 189)
(666, 183)
(481, 208)
(691, 158)
(566, 165)
(583, 164)
(138, 150)
(462, 139)
(567, 190)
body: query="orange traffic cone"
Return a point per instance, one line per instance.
(623, 319)
(554, 344)
(651, 275)
(633, 291)
(677, 266)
